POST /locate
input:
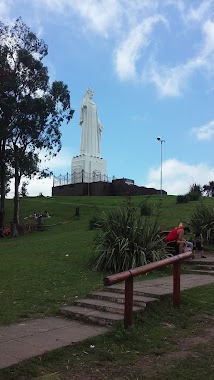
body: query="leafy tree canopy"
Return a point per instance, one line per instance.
(32, 109)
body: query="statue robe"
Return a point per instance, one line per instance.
(91, 128)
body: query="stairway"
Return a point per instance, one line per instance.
(198, 266)
(105, 307)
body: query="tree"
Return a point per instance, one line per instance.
(8, 177)
(6, 84)
(32, 109)
(209, 189)
(195, 192)
(24, 192)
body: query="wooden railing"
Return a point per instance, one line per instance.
(128, 275)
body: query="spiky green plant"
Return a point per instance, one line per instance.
(127, 240)
(202, 221)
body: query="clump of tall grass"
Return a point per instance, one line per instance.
(127, 239)
(202, 221)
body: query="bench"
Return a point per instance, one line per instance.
(169, 247)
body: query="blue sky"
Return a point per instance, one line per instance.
(151, 66)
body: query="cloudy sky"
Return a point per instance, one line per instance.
(151, 66)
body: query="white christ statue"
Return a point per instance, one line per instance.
(91, 126)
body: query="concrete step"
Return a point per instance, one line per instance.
(118, 288)
(201, 271)
(197, 261)
(104, 305)
(107, 295)
(203, 267)
(89, 314)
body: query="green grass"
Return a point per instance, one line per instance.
(64, 207)
(150, 349)
(42, 271)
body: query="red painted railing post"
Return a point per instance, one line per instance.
(128, 275)
(128, 302)
(176, 283)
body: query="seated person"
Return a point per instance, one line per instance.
(188, 244)
(198, 244)
(6, 231)
(46, 214)
(176, 238)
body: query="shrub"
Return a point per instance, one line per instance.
(182, 199)
(127, 240)
(202, 221)
(193, 196)
(195, 192)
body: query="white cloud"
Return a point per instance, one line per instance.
(171, 81)
(130, 25)
(130, 50)
(103, 16)
(99, 16)
(62, 162)
(200, 12)
(204, 132)
(208, 29)
(179, 176)
(35, 187)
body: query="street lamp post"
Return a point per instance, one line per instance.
(161, 190)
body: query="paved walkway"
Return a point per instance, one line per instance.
(35, 337)
(164, 286)
(209, 258)
(30, 338)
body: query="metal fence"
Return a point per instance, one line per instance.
(79, 177)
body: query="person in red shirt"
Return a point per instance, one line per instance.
(176, 238)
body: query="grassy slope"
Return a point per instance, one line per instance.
(42, 270)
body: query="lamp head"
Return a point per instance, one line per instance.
(158, 138)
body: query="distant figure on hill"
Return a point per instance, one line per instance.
(46, 214)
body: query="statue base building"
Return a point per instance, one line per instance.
(115, 187)
(88, 169)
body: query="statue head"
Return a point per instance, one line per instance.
(89, 93)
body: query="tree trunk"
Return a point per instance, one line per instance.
(2, 182)
(16, 196)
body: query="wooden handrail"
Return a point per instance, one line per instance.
(128, 275)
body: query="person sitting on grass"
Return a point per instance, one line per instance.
(176, 239)
(6, 231)
(198, 244)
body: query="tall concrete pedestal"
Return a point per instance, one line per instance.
(88, 169)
